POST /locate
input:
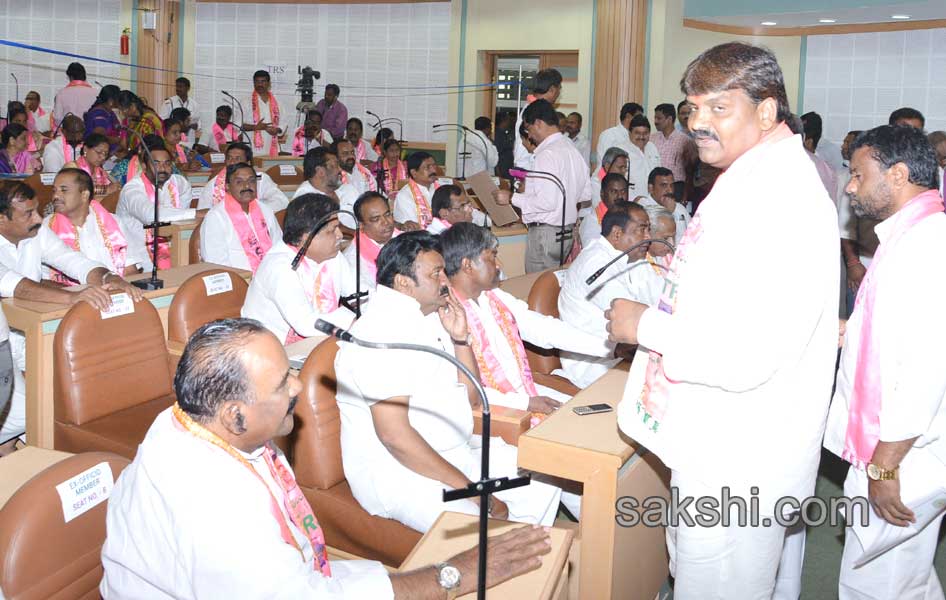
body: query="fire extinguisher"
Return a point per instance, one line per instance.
(125, 42)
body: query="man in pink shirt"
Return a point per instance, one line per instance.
(671, 144)
(77, 97)
(334, 113)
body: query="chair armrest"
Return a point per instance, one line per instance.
(507, 423)
(556, 382)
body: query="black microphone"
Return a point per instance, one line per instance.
(520, 173)
(594, 276)
(153, 283)
(378, 124)
(240, 106)
(308, 240)
(242, 132)
(13, 75)
(486, 485)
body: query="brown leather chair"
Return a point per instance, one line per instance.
(317, 461)
(111, 379)
(281, 217)
(42, 556)
(192, 307)
(543, 298)
(110, 201)
(278, 178)
(43, 193)
(193, 247)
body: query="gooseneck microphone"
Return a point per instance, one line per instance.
(483, 488)
(594, 276)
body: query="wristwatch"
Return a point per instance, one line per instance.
(464, 342)
(448, 577)
(881, 474)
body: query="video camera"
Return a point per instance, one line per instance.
(306, 83)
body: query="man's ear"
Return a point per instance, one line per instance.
(441, 214)
(466, 264)
(898, 175)
(402, 283)
(767, 112)
(232, 417)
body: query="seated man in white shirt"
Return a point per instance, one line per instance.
(87, 226)
(25, 246)
(643, 155)
(581, 141)
(377, 228)
(412, 205)
(65, 148)
(267, 191)
(660, 193)
(407, 417)
(449, 206)
(354, 129)
(483, 155)
(288, 301)
(648, 273)
(582, 305)
(614, 161)
(353, 172)
(323, 175)
(239, 231)
(613, 190)
(500, 322)
(235, 394)
(223, 131)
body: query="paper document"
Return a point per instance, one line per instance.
(880, 536)
(484, 187)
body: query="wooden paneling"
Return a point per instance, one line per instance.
(619, 60)
(158, 48)
(815, 29)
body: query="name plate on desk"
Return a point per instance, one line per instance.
(47, 178)
(218, 283)
(287, 169)
(217, 157)
(121, 305)
(196, 192)
(444, 181)
(85, 491)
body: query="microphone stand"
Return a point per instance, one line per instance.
(153, 283)
(594, 276)
(483, 488)
(377, 124)
(400, 127)
(358, 295)
(519, 173)
(466, 130)
(242, 116)
(242, 133)
(13, 75)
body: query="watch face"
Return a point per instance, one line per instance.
(449, 577)
(873, 471)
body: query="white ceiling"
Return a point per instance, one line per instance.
(918, 11)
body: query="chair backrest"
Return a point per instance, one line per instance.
(281, 217)
(543, 298)
(193, 246)
(103, 366)
(192, 307)
(316, 438)
(42, 556)
(275, 173)
(43, 192)
(110, 201)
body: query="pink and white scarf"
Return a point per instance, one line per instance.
(220, 135)
(274, 113)
(115, 241)
(255, 244)
(319, 288)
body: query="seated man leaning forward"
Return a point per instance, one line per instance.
(407, 417)
(288, 301)
(210, 507)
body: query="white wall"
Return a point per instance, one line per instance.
(856, 80)
(88, 27)
(372, 51)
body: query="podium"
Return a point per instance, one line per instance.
(614, 561)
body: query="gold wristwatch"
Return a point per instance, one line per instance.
(881, 474)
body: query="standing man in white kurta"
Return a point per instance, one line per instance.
(407, 420)
(888, 416)
(239, 231)
(643, 157)
(619, 136)
(737, 383)
(265, 117)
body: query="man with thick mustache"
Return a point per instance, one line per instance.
(239, 231)
(744, 339)
(287, 301)
(660, 192)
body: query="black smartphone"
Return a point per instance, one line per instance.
(592, 409)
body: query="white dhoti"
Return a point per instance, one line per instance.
(905, 572)
(395, 492)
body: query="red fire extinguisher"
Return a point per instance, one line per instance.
(125, 42)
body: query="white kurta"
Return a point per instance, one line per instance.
(913, 388)
(92, 243)
(285, 114)
(583, 145)
(267, 193)
(639, 166)
(681, 216)
(582, 306)
(439, 411)
(405, 208)
(618, 136)
(483, 154)
(54, 155)
(277, 299)
(359, 180)
(175, 101)
(135, 201)
(219, 242)
(161, 543)
(346, 194)
(368, 283)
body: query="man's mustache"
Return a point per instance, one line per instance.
(38, 225)
(704, 134)
(292, 404)
(444, 291)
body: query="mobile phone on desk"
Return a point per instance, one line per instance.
(592, 409)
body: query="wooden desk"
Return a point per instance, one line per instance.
(453, 533)
(512, 248)
(179, 234)
(615, 562)
(21, 466)
(263, 163)
(38, 321)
